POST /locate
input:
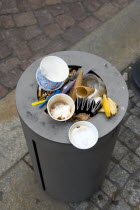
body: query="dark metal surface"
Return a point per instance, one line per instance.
(65, 172)
(68, 173)
(37, 120)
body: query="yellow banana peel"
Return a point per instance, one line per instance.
(108, 106)
(113, 106)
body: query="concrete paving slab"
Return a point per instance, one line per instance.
(118, 40)
(20, 191)
(28, 160)
(8, 109)
(12, 144)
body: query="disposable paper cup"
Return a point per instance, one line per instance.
(54, 69)
(46, 84)
(83, 135)
(52, 73)
(63, 98)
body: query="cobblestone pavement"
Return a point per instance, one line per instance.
(119, 191)
(32, 28)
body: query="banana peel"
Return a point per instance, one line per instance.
(109, 106)
(106, 106)
(113, 107)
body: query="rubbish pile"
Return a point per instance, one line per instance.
(71, 93)
(86, 89)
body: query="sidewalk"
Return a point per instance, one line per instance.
(31, 29)
(18, 186)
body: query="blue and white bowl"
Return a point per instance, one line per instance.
(46, 84)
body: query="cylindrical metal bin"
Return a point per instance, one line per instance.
(65, 172)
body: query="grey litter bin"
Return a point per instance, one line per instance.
(65, 172)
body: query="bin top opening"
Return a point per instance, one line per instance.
(41, 123)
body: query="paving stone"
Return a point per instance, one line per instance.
(129, 138)
(23, 51)
(31, 32)
(8, 111)
(35, 4)
(100, 199)
(93, 207)
(21, 191)
(51, 2)
(56, 45)
(23, 5)
(131, 192)
(138, 104)
(9, 64)
(110, 167)
(80, 206)
(138, 151)
(91, 5)
(134, 124)
(89, 24)
(6, 21)
(136, 98)
(131, 93)
(26, 5)
(14, 36)
(53, 30)
(68, 1)
(119, 151)
(24, 19)
(73, 34)
(136, 176)
(38, 43)
(108, 188)
(12, 144)
(119, 176)
(130, 105)
(10, 79)
(1, 36)
(8, 6)
(27, 158)
(44, 17)
(65, 21)
(77, 11)
(127, 114)
(121, 205)
(106, 11)
(57, 9)
(3, 91)
(5, 50)
(135, 111)
(121, 129)
(123, 3)
(130, 162)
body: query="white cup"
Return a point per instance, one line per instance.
(83, 135)
(64, 99)
(54, 69)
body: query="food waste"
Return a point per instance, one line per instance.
(61, 111)
(109, 107)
